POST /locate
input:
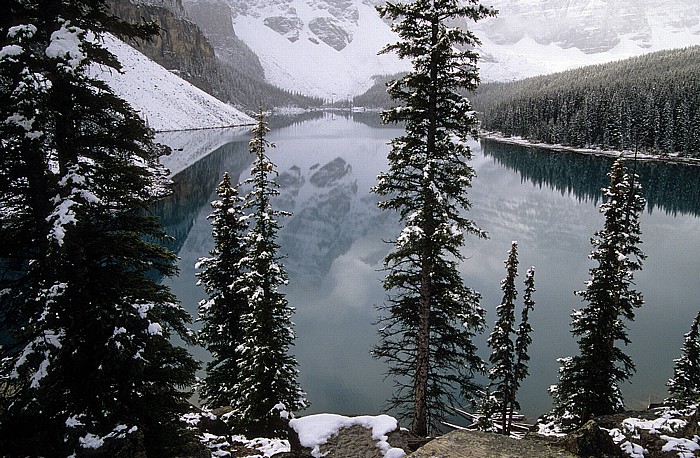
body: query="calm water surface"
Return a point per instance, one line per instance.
(334, 245)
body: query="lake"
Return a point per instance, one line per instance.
(335, 243)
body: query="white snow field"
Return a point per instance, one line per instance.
(164, 100)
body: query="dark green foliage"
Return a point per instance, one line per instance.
(509, 358)
(500, 341)
(92, 361)
(684, 386)
(267, 375)
(221, 313)
(588, 383)
(650, 102)
(430, 319)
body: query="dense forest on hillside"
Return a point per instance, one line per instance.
(651, 102)
(376, 96)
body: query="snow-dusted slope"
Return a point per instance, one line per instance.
(532, 37)
(164, 100)
(328, 47)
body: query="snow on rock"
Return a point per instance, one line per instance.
(164, 100)
(325, 48)
(315, 430)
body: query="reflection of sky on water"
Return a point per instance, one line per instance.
(334, 247)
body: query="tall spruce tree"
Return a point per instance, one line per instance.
(431, 317)
(588, 383)
(267, 373)
(92, 367)
(502, 355)
(221, 313)
(684, 386)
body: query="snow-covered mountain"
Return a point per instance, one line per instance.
(328, 47)
(164, 100)
(532, 37)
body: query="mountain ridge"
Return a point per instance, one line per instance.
(327, 48)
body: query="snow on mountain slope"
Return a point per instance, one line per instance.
(328, 47)
(532, 37)
(164, 100)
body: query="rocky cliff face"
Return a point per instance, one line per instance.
(180, 46)
(232, 73)
(214, 19)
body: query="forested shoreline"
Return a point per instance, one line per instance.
(649, 103)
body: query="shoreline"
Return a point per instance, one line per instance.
(628, 154)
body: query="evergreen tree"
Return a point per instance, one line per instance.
(502, 355)
(588, 383)
(221, 313)
(267, 373)
(684, 386)
(522, 342)
(509, 358)
(430, 319)
(92, 366)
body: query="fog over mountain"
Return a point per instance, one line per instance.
(328, 47)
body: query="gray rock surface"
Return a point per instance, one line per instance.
(474, 444)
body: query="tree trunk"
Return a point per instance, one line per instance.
(420, 415)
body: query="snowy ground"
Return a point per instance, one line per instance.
(164, 100)
(313, 430)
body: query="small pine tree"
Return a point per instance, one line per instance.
(684, 386)
(522, 342)
(221, 313)
(588, 383)
(267, 374)
(509, 358)
(503, 354)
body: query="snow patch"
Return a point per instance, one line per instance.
(315, 430)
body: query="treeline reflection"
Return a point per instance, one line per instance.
(673, 188)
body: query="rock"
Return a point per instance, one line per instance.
(329, 174)
(288, 27)
(591, 441)
(330, 31)
(476, 444)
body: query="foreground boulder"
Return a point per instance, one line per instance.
(592, 441)
(475, 444)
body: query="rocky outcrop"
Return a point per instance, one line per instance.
(289, 27)
(215, 60)
(180, 46)
(475, 444)
(214, 19)
(592, 441)
(331, 32)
